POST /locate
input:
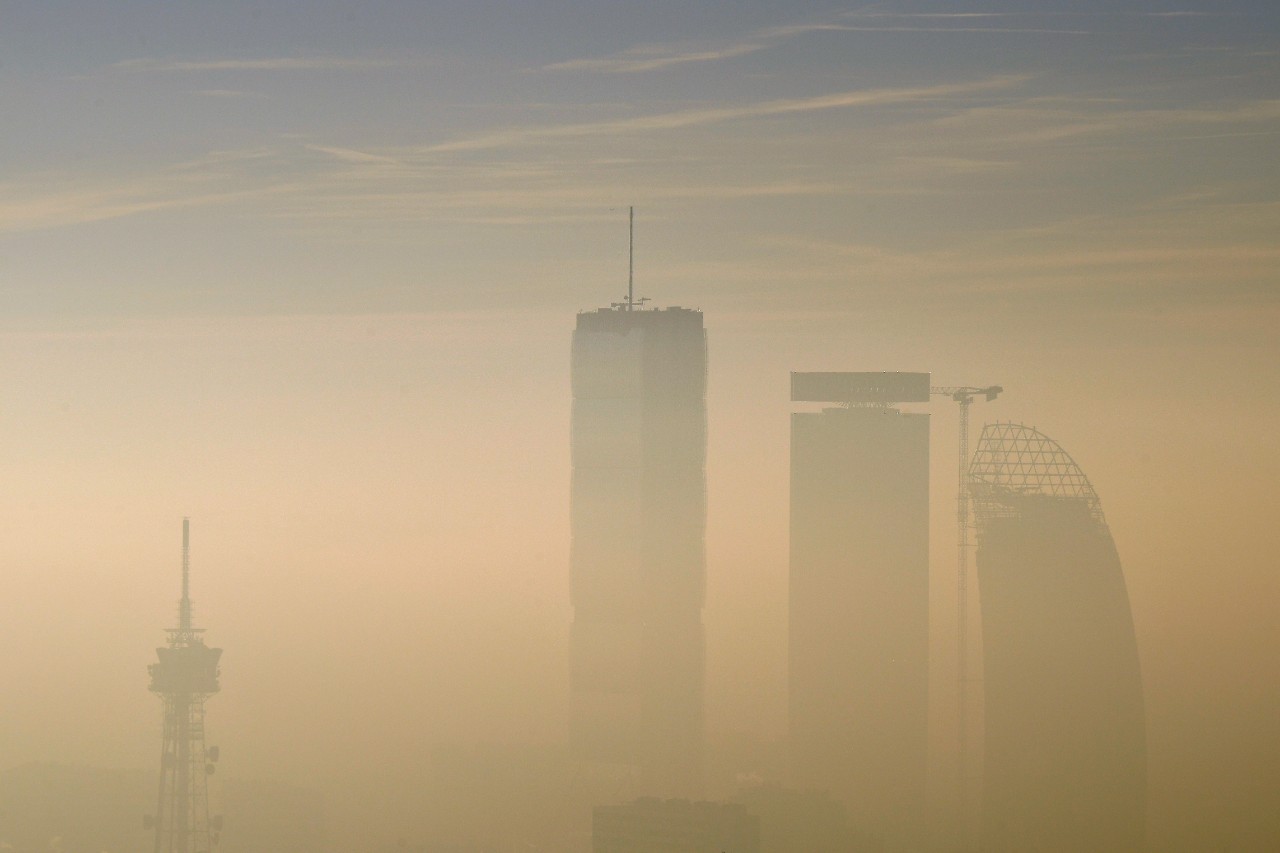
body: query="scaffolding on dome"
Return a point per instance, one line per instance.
(1014, 463)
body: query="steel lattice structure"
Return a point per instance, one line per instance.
(185, 675)
(1064, 730)
(1014, 462)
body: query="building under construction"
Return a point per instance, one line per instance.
(638, 545)
(859, 597)
(1065, 753)
(185, 675)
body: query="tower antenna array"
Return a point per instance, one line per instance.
(184, 676)
(184, 606)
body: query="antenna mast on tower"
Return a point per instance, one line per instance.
(632, 302)
(184, 606)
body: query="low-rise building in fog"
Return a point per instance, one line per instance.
(795, 821)
(72, 808)
(650, 825)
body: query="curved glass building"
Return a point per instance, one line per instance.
(1065, 735)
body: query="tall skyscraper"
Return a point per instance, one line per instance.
(185, 675)
(1065, 738)
(859, 597)
(638, 549)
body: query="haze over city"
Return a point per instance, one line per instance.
(309, 275)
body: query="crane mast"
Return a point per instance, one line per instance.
(964, 395)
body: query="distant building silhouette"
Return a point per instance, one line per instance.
(184, 677)
(650, 825)
(638, 550)
(49, 807)
(1065, 733)
(859, 597)
(795, 821)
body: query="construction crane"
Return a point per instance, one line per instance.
(964, 395)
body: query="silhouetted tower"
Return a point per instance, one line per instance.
(1065, 742)
(638, 520)
(185, 675)
(859, 597)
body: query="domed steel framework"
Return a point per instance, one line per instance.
(1065, 741)
(1015, 461)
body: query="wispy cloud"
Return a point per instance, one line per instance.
(52, 200)
(214, 160)
(715, 115)
(1037, 122)
(231, 94)
(652, 58)
(1037, 13)
(937, 22)
(44, 207)
(316, 185)
(1180, 13)
(351, 155)
(655, 57)
(881, 14)
(920, 29)
(1127, 261)
(382, 202)
(317, 181)
(281, 63)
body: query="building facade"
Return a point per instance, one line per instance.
(650, 825)
(859, 598)
(638, 544)
(1065, 741)
(803, 821)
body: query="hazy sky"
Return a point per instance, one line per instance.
(307, 272)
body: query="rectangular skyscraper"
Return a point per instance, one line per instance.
(638, 551)
(859, 597)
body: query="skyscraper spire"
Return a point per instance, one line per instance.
(630, 303)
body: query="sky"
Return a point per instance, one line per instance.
(307, 273)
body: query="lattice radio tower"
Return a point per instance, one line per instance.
(185, 675)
